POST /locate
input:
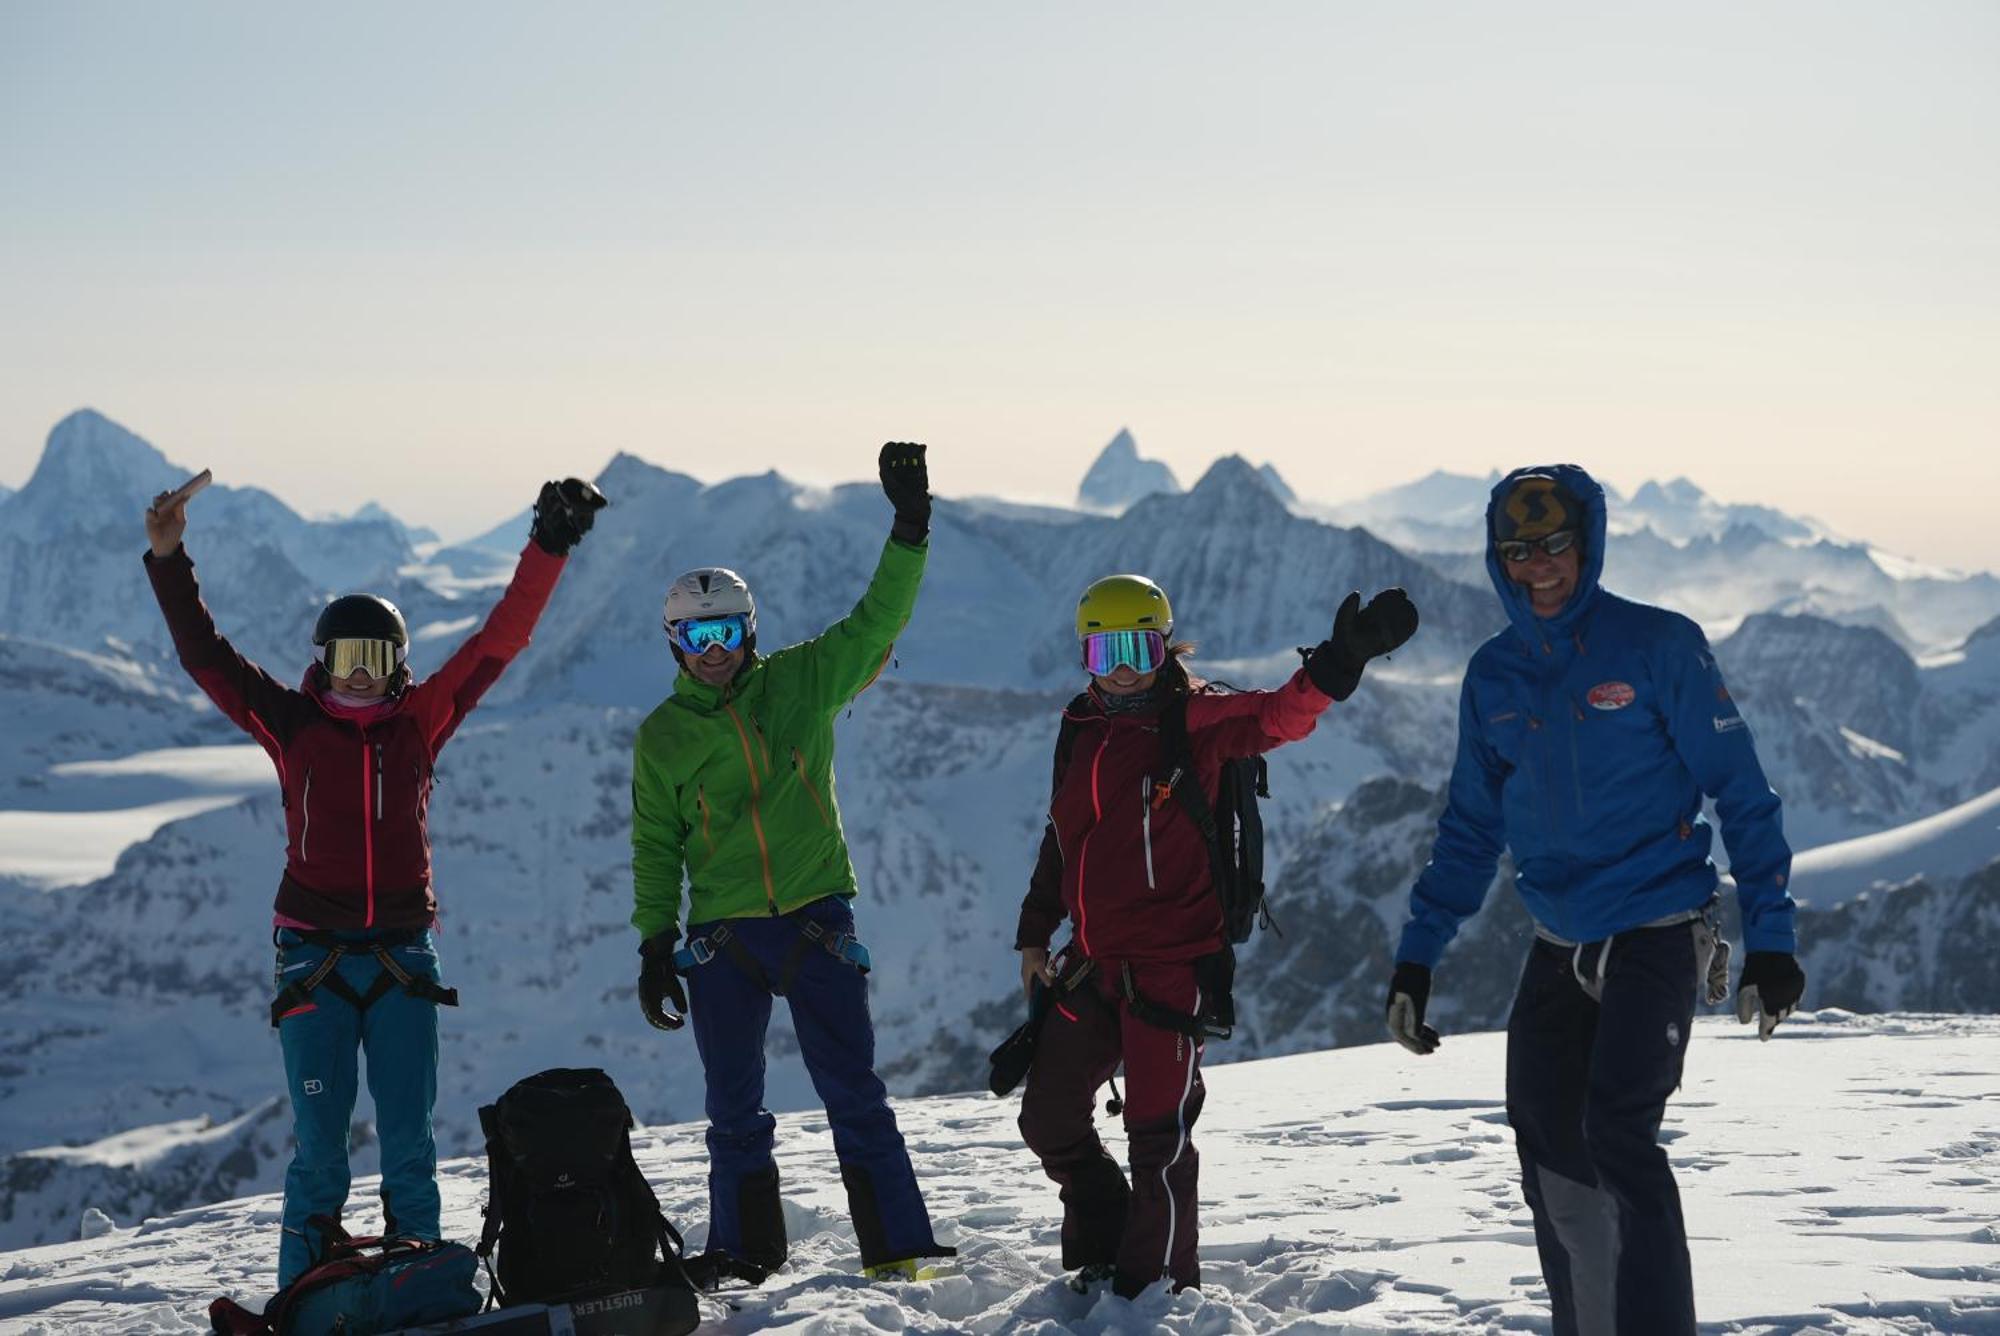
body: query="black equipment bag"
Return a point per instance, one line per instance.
(570, 1211)
(1233, 827)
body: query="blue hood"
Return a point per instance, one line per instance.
(1537, 630)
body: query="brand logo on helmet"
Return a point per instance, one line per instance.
(1536, 508)
(1611, 695)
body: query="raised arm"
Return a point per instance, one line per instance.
(248, 696)
(838, 664)
(564, 512)
(1249, 722)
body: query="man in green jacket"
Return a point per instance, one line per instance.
(732, 786)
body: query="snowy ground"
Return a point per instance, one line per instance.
(1840, 1179)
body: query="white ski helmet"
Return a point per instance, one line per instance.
(709, 591)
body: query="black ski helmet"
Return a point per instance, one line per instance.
(361, 617)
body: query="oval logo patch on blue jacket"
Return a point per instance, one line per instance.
(1611, 696)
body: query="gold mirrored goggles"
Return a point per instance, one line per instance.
(378, 657)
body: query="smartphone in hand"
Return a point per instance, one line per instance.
(187, 490)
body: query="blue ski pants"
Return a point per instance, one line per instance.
(730, 1011)
(399, 1036)
(1595, 1046)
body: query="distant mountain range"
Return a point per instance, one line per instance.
(137, 999)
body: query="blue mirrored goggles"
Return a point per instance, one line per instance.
(1142, 651)
(693, 635)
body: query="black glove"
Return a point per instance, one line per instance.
(564, 513)
(1409, 994)
(906, 481)
(658, 984)
(1360, 634)
(1768, 990)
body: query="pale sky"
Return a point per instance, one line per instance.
(434, 253)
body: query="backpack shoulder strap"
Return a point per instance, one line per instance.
(1066, 737)
(1182, 781)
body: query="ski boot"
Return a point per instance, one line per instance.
(915, 1268)
(1094, 1276)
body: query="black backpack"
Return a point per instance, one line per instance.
(1233, 829)
(567, 1205)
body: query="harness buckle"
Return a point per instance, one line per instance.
(842, 946)
(849, 950)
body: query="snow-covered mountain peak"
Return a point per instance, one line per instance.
(1276, 482)
(374, 512)
(629, 480)
(1234, 493)
(755, 492)
(88, 440)
(1118, 477)
(91, 470)
(1682, 512)
(1231, 473)
(1674, 492)
(1437, 494)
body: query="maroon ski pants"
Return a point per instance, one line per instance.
(1147, 1229)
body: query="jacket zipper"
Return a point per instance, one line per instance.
(1575, 762)
(799, 764)
(1083, 846)
(701, 802)
(305, 815)
(756, 817)
(1146, 825)
(369, 800)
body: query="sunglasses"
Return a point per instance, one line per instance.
(695, 634)
(378, 658)
(1514, 551)
(1142, 651)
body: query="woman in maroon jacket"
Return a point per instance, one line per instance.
(354, 744)
(1125, 862)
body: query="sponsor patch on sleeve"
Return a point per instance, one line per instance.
(1729, 723)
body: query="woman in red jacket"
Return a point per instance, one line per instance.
(354, 744)
(1123, 860)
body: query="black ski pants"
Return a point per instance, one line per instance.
(1595, 1046)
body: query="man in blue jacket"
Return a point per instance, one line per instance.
(1588, 733)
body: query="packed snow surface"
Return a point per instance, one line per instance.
(1838, 1179)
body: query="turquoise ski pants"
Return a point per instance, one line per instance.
(399, 1035)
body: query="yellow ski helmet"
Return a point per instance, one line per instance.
(1124, 603)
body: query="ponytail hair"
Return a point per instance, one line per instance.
(1174, 674)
